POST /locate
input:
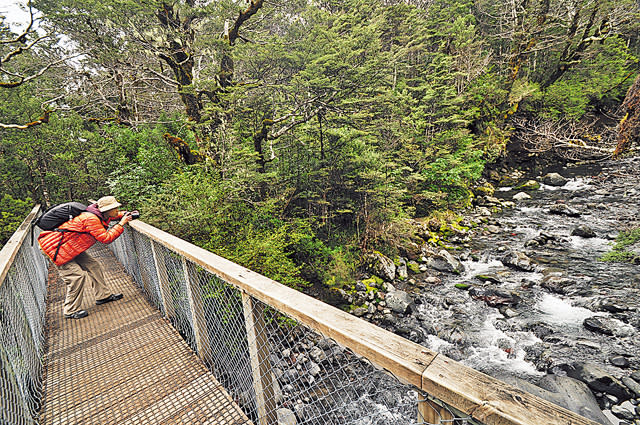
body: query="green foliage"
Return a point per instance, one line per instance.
(143, 161)
(341, 120)
(619, 253)
(12, 213)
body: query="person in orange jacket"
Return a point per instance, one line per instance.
(66, 248)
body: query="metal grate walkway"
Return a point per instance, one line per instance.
(124, 364)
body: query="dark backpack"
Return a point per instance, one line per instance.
(56, 216)
(59, 214)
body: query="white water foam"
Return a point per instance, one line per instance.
(590, 244)
(557, 311)
(578, 183)
(491, 357)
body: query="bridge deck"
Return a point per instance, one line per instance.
(124, 364)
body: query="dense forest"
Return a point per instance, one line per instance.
(293, 137)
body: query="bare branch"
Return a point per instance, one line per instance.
(306, 117)
(43, 119)
(22, 79)
(23, 36)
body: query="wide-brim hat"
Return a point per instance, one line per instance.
(107, 203)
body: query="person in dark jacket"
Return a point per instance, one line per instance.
(77, 268)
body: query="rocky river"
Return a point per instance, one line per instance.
(521, 292)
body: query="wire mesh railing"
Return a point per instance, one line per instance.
(23, 288)
(284, 357)
(287, 358)
(274, 367)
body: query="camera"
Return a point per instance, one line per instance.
(134, 214)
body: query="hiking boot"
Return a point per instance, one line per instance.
(77, 315)
(112, 297)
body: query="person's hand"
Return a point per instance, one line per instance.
(125, 219)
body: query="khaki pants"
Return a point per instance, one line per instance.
(76, 274)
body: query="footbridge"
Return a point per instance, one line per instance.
(198, 339)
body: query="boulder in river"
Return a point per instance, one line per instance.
(557, 284)
(566, 392)
(529, 185)
(399, 301)
(381, 265)
(521, 196)
(595, 324)
(583, 231)
(563, 209)
(494, 297)
(518, 261)
(445, 262)
(554, 179)
(598, 379)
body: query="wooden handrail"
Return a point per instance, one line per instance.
(10, 250)
(483, 397)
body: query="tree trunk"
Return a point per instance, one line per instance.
(629, 128)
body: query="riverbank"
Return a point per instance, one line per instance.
(521, 292)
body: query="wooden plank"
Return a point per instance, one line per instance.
(11, 248)
(125, 361)
(490, 400)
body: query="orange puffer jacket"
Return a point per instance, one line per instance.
(74, 243)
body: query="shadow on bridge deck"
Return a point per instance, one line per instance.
(124, 364)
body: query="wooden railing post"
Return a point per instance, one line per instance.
(260, 364)
(431, 413)
(200, 328)
(163, 282)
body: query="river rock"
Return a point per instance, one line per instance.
(596, 324)
(401, 269)
(624, 411)
(286, 417)
(557, 284)
(583, 231)
(619, 361)
(563, 209)
(609, 326)
(485, 189)
(381, 265)
(445, 262)
(521, 196)
(359, 312)
(317, 354)
(290, 375)
(566, 392)
(399, 301)
(554, 179)
(494, 297)
(529, 185)
(598, 379)
(518, 261)
(632, 384)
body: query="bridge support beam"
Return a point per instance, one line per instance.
(431, 413)
(260, 364)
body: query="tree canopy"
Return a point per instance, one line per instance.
(293, 136)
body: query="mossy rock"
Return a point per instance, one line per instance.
(373, 282)
(528, 185)
(463, 286)
(507, 181)
(486, 189)
(414, 267)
